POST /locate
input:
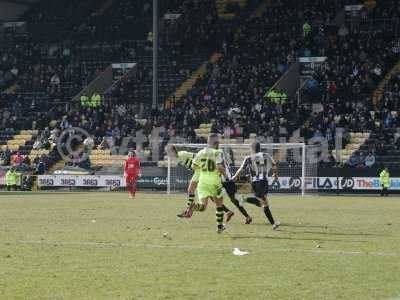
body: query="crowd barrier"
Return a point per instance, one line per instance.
(160, 182)
(340, 184)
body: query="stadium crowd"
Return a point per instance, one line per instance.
(22, 163)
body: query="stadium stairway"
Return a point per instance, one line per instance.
(370, 4)
(104, 7)
(391, 154)
(21, 141)
(203, 130)
(11, 89)
(104, 158)
(60, 164)
(378, 93)
(356, 140)
(5, 137)
(221, 8)
(261, 9)
(189, 83)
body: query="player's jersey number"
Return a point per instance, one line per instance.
(207, 165)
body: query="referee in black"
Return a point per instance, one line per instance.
(257, 166)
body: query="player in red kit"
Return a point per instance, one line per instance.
(131, 170)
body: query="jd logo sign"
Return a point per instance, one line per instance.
(347, 183)
(295, 182)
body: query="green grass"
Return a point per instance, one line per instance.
(50, 248)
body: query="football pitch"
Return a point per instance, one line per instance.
(106, 246)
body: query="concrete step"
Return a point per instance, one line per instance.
(57, 166)
(188, 83)
(378, 92)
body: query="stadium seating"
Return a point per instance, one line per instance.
(15, 141)
(33, 153)
(5, 137)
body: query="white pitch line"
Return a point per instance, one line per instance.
(202, 248)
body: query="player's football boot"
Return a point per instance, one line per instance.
(189, 210)
(182, 214)
(221, 229)
(248, 220)
(229, 216)
(185, 214)
(276, 225)
(189, 213)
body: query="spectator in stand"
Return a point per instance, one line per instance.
(306, 29)
(25, 164)
(352, 161)
(360, 160)
(37, 144)
(356, 160)
(369, 160)
(35, 161)
(6, 156)
(381, 150)
(343, 31)
(40, 167)
(64, 123)
(328, 161)
(17, 159)
(88, 143)
(104, 144)
(55, 80)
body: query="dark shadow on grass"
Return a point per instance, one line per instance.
(295, 225)
(304, 225)
(332, 233)
(284, 225)
(269, 237)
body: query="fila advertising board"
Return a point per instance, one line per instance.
(160, 182)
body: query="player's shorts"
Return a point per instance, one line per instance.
(195, 177)
(260, 188)
(230, 188)
(131, 177)
(209, 190)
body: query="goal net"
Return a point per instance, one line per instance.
(295, 163)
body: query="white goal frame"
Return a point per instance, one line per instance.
(272, 145)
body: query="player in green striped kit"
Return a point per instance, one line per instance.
(185, 158)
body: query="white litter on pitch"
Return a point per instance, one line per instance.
(238, 252)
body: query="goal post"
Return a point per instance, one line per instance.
(293, 163)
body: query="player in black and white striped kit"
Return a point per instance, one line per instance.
(256, 166)
(230, 189)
